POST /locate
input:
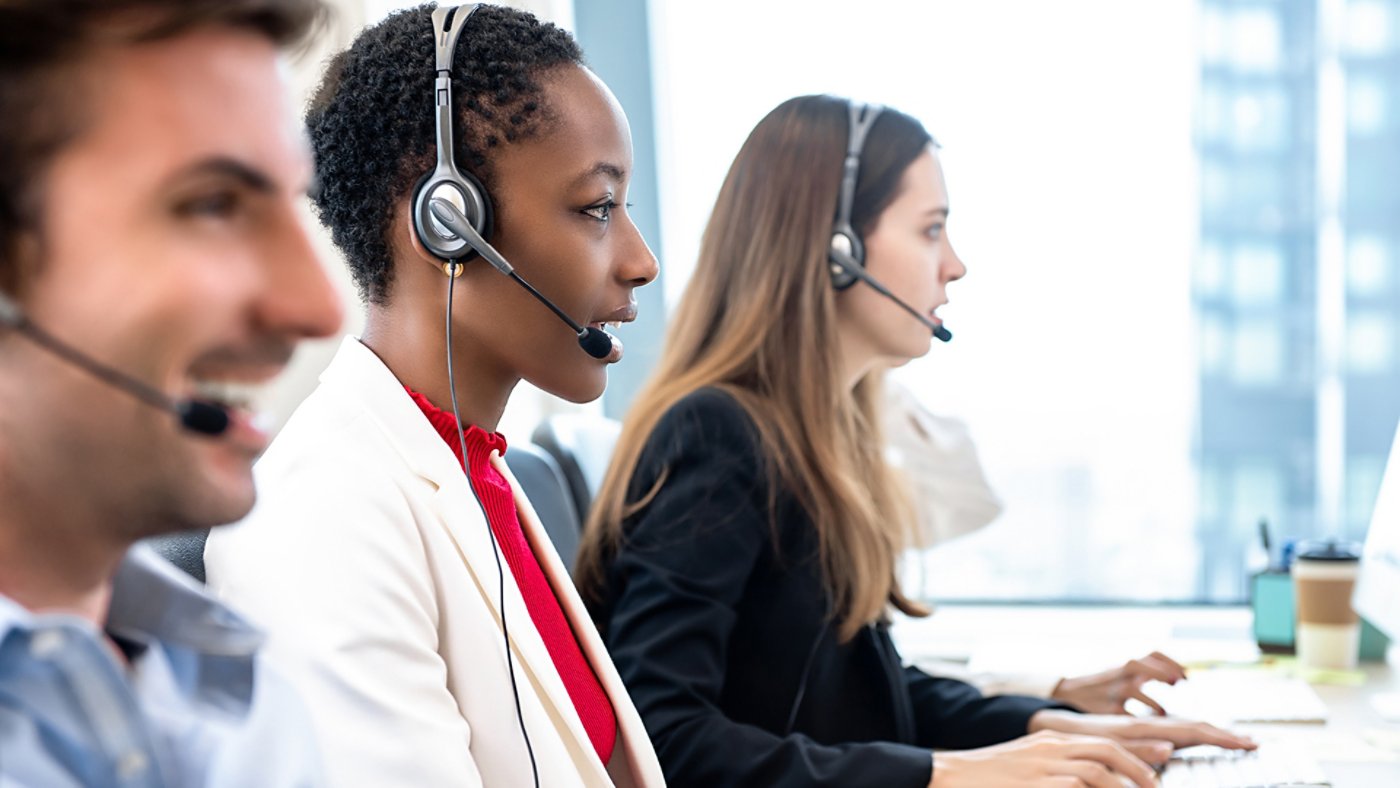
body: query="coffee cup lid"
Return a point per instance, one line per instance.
(1329, 550)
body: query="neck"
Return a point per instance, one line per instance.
(855, 359)
(412, 345)
(47, 568)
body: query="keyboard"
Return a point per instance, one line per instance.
(1269, 766)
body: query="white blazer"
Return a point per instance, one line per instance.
(368, 561)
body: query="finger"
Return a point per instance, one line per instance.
(1141, 668)
(1141, 697)
(1114, 756)
(1184, 733)
(1090, 773)
(1151, 751)
(1172, 666)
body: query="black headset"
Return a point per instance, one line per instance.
(446, 181)
(844, 238)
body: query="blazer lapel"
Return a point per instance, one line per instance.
(356, 372)
(633, 739)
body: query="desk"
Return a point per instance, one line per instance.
(1075, 640)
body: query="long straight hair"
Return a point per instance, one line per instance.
(758, 320)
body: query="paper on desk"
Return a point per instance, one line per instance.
(1387, 704)
(1240, 696)
(1287, 667)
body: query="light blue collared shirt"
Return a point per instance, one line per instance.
(195, 706)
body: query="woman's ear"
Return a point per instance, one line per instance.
(416, 244)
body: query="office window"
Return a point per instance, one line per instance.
(1369, 27)
(1258, 275)
(1370, 343)
(1257, 493)
(1259, 120)
(1211, 270)
(1256, 353)
(1366, 106)
(1368, 265)
(1137, 344)
(1215, 344)
(1364, 472)
(1256, 39)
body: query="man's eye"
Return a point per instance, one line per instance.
(219, 205)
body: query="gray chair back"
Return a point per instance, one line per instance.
(184, 549)
(583, 447)
(543, 483)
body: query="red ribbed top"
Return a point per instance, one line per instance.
(590, 700)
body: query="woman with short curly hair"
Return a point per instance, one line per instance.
(422, 609)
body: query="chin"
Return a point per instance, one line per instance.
(224, 492)
(573, 384)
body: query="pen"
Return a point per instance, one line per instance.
(1264, 537)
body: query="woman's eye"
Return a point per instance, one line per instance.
(602, 211)
(935, 231)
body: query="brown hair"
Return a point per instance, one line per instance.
(758, 321)
(42, 43)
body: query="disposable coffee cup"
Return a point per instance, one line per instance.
(1329, 631)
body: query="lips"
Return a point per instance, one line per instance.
(614, 319)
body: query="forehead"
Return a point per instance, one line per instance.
(587, 127)
(922, 187)
(154, 107)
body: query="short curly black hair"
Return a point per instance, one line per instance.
(371, 120)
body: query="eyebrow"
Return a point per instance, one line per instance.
(223, 166)
(602, 168)
(935, 211)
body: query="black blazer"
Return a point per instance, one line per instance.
(713, 620)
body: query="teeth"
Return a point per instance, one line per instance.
(615, 324)
(227, 392)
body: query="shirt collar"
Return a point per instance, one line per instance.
(210, 648)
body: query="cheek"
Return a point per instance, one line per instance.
(908, 267)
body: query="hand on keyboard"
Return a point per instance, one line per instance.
(1150, 738)
(1048, 757)
(1109, 692)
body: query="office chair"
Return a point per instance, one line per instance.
(184, 549)
(543, 483)
(582, 446)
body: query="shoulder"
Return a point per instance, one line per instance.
(710, 417)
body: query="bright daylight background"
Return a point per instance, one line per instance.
(1178, 218)
(1139, 411)
(1067, 148)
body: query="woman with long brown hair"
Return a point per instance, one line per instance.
(740, 560)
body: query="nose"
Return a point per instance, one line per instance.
(298, 299)
(637, 265)
(951, 267)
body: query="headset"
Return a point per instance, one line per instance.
(451, 217)
(201, 417)
(847, 252)
(452, 213)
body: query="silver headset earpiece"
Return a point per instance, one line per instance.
(446, 182)
(846, 246)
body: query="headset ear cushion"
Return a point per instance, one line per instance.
(849, 244)
(474, 202)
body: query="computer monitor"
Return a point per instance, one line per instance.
(1377, 596)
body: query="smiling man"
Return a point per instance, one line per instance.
(150, 173)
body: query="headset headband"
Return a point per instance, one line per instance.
(447, 28)
(862, 119)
